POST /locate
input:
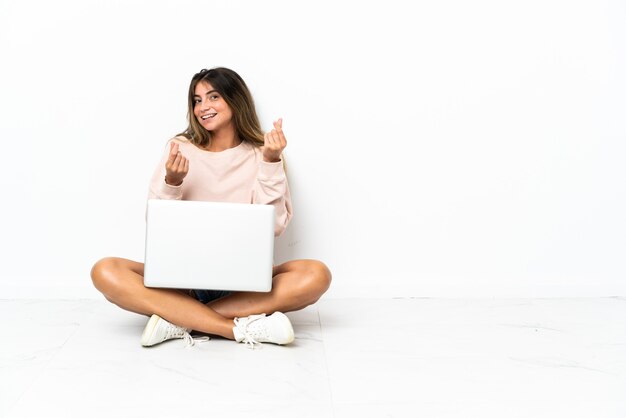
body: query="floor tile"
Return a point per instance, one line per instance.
(33, 334)
(108, 373)
(352, 357)
(420, 355)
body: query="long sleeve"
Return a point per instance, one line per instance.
(236, 175)
(271, 188)
(159, 189)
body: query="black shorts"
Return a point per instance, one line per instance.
(206, 296)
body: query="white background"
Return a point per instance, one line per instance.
(442, 148)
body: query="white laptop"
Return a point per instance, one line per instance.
(209, 245)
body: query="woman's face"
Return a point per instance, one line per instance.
(210, 108)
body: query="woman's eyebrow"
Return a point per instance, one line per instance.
(208, 92)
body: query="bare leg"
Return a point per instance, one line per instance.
(296, 285)
(121, 282)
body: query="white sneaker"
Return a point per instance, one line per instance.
(256, 329)
(158, 330)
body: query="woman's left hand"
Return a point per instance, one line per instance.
(275, 143)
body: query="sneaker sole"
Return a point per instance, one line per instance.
(149, 330)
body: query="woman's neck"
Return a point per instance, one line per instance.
(223, 139)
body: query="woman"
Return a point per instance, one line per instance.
(223, 155)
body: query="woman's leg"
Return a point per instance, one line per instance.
(296, 285)
(121, 282)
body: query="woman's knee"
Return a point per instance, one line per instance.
(105, 275)
(317, 277)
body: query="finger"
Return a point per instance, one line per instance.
(278, 125)
(277, 128)
(281, 137)
(276, 140)
(186, 166)
(281, 141)
(173, 152)
(181, 164)
(176, 164)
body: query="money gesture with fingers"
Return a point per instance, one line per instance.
(275, 143)
(176, 166)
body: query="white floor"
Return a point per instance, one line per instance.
(351, 358)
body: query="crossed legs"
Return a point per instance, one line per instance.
(296, 284)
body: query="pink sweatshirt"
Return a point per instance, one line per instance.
(236, 175)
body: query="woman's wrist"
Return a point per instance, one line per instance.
(171, 183)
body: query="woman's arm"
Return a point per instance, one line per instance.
(168, 176)
(271, 188)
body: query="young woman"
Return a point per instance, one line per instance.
(223, 155)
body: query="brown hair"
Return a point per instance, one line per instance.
(236, 94)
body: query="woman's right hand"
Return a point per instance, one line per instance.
(176, 167)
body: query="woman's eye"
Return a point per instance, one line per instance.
(214, 97)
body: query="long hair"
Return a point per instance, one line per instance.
(236, 94)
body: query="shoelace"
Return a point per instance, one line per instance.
(174, 331)
(243, 324)
(190, 341)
